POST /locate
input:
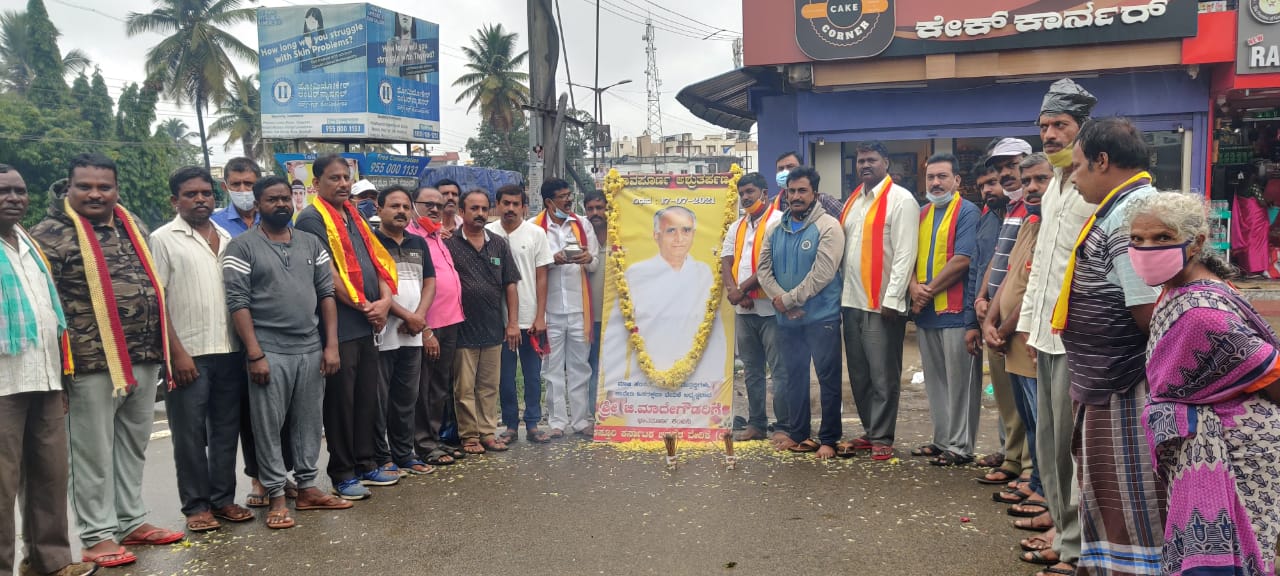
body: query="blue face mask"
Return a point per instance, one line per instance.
(782, 178)
(561, 215)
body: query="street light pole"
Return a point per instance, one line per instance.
(595, 146)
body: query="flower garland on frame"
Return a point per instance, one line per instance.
(675, 376)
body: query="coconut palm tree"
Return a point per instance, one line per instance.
(194, 60)
(16, 67)
(175, 129)
(494, 84)
(238, 116)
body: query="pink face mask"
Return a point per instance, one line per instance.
(1158, 264)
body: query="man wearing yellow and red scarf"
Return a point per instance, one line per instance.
(569, 322)
(99, 258)
(364, 278)
(942, 299)
(756, 327)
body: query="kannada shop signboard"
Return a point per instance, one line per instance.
(852, 29)
(1258, 48)
(348, 72)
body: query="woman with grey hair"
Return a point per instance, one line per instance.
(1211, 420)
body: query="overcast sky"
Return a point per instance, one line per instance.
(96, 26)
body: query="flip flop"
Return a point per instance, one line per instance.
(805, 447)
(556, 434)
(509, 436)
(328, 502)
(120, 557)
(257, 500)
(280, 520)
(203, 525)
(928, 451)
(1038, 557)
(233, 513)
(846, 450)
(536, 436)
(473, 446)
(1026, 547)
(1031, 527)
(882, 452)
(1010, 497)
(1043, 507)
(1055, 570)
(154, 537)
(494, 445)
(436, 458)
(1005, 477)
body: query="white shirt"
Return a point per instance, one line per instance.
(1063, 214)
(763, 306)
(530, 250)
(191, 275)
(669, 308)
(564, 282)
(901, 240)
(37, 368)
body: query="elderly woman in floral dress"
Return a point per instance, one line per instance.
(1211, 420)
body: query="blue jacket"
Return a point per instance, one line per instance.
(803, 267)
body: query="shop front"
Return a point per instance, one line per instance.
(930, 77)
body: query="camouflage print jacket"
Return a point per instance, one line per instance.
(135, 301)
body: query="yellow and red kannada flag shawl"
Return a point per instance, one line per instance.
(758, 241)
(1059, 320)
(872, 264)
(344, 252)
(103, 298)
(942, 247)
(543, 221)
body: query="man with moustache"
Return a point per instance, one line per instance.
(1004, 158)
(942, 296)
(1065, 108)
(998, 330)
(276, 279)
(208, 369)
(756, 327)
(488, 275)
(238, 177)
(881, 221)
(566, 369)
(451, 220)
(532, 255)
(364, 281)
(118, 348)
(401, 346)
(597, 208)
(787, 162)
(434, 412)
(33, 428)
(800, 275)
(993, 202)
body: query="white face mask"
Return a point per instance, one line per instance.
(1016, 195)
(941, 200)
(243, 201)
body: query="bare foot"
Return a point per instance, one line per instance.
(825, 452)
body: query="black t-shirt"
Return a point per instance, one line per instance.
(485, 274)
(352, 324)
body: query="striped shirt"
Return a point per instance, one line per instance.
(1004, 246)
(191, 275)
(1106, 349)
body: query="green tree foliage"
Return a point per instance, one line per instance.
(194, 61)
(97, 108)
(25, 50)
(238, 116)
(506, 150)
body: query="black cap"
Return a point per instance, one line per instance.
(1067, 97)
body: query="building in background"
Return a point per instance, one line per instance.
(682, 154)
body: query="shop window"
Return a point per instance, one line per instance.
(1166, 158)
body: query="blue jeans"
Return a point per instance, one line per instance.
(820, 342)
(594, 359)
(531, 367)
(1024, 395)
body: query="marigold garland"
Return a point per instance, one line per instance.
(675, 376)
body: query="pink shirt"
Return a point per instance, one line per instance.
(446, 309)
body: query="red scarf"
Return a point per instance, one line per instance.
(544, 221)
(344, 254)
(871, 267)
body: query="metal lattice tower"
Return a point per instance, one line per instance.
(737, 53)
(654, 86)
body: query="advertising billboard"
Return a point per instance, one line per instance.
(348, 72)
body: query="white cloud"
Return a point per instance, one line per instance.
(96, 27)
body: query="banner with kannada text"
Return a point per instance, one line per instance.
(664, 308)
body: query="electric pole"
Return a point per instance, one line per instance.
(544, 56)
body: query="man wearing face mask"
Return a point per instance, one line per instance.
(1065, 108)
(240, 214)
(941, 297)
(787, 162)
(1104, 313)
(366, 196)
(1004, 158)
(756, 328)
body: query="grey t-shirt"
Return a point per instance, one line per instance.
(352, 324)
(281, 284)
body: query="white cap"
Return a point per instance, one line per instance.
(1010, 147)
(361, 187)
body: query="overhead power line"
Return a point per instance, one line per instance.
(687, 21)
(608, 8)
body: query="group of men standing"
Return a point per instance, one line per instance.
(1036, 278)
(272, 330)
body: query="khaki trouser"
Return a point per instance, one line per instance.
(1017, 459)
(33, 447)
(475, 391)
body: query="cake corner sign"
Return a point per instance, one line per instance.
(1258, 42)
(852, 29)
